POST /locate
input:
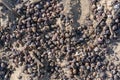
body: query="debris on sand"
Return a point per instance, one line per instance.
(60, 40)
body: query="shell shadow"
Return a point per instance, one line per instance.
(76, 11)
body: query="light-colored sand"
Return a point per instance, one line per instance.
(107, 4)
(67, 7)
(16, 73)
(85, 10)
(117, 51)
(19, 72)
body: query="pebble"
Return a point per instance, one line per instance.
(65, 52)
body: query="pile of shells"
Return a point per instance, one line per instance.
(44, 41)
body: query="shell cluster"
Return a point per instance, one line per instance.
(44, 41)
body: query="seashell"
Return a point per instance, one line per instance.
(54, 37)
(93, 7)
(67, 35)
(117, 20)
(19, 77)
(29, 70)
(114, 27)
(74, 71)
(33, 29)
(109, 74)
(35, 19)
(92, 65)
(96, 49)
(25, 71)
(38, 6)
(100, 40)
(50, 8)
(47, 4)
(47, 36)
(88, 67)
(2, 65)
(42, 10)
(23, 21)
(94, 74)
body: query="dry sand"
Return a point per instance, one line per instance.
(85, 10)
